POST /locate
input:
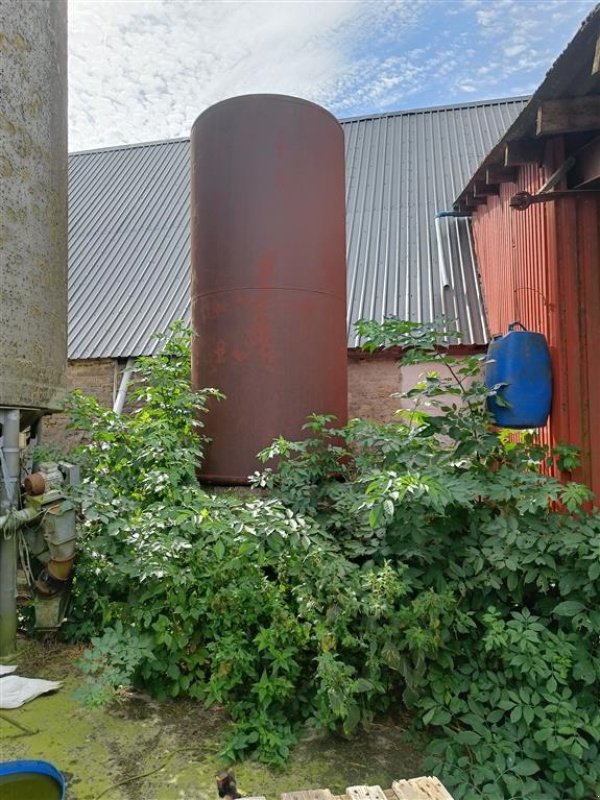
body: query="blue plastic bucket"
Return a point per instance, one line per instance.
(38, 780)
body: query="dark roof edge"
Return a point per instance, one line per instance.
(363, 117)
(131, 146)
(544, 91)
(426, 109)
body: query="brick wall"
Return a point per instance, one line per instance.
(372, 379)
(95, 377)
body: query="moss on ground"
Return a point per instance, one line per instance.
(98, 748)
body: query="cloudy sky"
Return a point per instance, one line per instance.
(142, 70)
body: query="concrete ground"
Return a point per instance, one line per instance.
(178, 743)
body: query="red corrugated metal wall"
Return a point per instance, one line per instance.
(542, 267)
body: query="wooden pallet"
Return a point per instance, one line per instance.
(412, 789)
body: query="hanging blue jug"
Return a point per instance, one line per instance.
(520, 360)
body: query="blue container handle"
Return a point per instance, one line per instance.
(513, 325)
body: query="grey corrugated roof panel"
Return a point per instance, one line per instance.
(402, 169)
(129, 256)
(129, 240)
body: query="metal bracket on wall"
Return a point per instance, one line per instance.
(522, 200)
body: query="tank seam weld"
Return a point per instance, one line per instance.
(270, 289)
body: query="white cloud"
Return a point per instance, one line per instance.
(144, 69)
(148, 68)
(518, 31)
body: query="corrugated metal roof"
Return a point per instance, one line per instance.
(129, 247)
(129, 241)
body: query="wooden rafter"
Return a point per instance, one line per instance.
(473, 201)
(481, 189)
(496, 173)
(596, 62)
(587, 164)
(524, 151)
(568, 115)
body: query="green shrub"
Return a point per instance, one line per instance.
(497, 646)
(425, 563)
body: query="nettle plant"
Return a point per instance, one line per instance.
(424, 563)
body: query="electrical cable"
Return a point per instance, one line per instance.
(146, 774)
(25, 560)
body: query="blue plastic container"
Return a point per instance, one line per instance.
(31, 779)
(521, 360)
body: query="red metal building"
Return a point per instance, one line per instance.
(535, 206)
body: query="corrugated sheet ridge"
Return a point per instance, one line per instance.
(129, 227)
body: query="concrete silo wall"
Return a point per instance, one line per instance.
(33, 202)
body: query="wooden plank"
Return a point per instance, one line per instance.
(472, 201)
(366, 793)
(405, 790)
(596, 64)
(481, 189)
(524, 151)
(421, 789)
(587, 164)
(496, 173)
(568, 115)
(308, 794)
(464, 205)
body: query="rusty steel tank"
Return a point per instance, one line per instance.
(268, 274)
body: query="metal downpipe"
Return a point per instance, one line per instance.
(9, 494)
(441, 258)
(122, 393)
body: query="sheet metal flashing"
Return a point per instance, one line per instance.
(129, 237)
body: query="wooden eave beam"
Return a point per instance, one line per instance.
(481, 189)
(465, 204)
(596, 62)
(587, 164)
(473, 201)
(496, 173)
(524, 151)
(568, 115)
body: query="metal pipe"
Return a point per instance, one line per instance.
(441, 257)
(453, 213)
(9, 491)
(17, 518)
(125, 378)
(522, 200)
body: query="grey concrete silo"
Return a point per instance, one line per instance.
(33, 203)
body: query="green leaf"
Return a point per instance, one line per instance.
(526, 767)
(568, 608)
(515, 714)
(219, 549)
(441, 717)
(352, 718)
(594, 571)
(468, 737)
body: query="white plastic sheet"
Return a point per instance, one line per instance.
(15, 691)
